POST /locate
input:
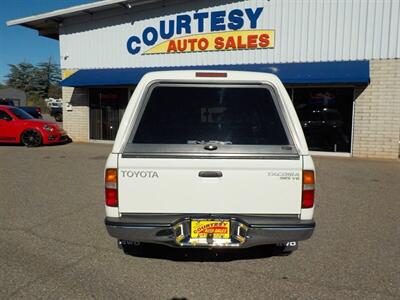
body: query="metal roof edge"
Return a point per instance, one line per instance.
(64, 11)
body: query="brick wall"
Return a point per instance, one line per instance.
(76, 122)
(377, 112)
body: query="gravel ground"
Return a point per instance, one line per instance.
(53, 243)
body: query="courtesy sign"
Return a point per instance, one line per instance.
(204, 31)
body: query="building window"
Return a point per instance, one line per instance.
(326, 117)
(107, 107)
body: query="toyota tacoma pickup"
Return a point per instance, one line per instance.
(210, 159)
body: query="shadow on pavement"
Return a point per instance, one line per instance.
(67, 141)
(202, 254)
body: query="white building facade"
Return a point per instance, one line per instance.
(338, 59)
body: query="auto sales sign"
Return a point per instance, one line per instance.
(201, 31)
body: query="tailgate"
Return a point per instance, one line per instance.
(253, 186)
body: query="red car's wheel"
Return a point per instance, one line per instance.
(31, 138)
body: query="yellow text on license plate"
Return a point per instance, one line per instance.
(201, 228)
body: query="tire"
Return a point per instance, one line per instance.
(58, 117)
(31, 138)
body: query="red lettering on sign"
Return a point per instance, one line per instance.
(252, 41)
(230, 43)
(192, 43)
(233, 42)
(182, 45)
(264, 40)
(240, 44)
(202, 44)
(171, 46)
(219, 43)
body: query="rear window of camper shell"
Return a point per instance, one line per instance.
(196, 115)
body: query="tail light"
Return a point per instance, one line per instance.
(308, 189)
(38, 109)
(111, 188)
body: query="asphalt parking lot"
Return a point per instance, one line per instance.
(53, 243)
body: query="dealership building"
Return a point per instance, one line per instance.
(339, 60)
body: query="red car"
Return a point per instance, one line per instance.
(17, 126)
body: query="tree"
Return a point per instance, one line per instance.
(47, 76)
(21, 76)
(55, 91)
(36, 81)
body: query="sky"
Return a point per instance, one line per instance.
(17, 43)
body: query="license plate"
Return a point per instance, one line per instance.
(220, 229)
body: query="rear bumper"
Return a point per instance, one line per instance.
(263, 230)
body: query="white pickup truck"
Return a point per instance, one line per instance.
(210, 159)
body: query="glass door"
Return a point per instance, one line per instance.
(326, 115)
(106, 109)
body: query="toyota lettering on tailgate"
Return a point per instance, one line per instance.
(139, 174)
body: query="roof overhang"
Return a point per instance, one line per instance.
(320, 73)
(47, 24)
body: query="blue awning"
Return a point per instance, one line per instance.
(348, 72)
